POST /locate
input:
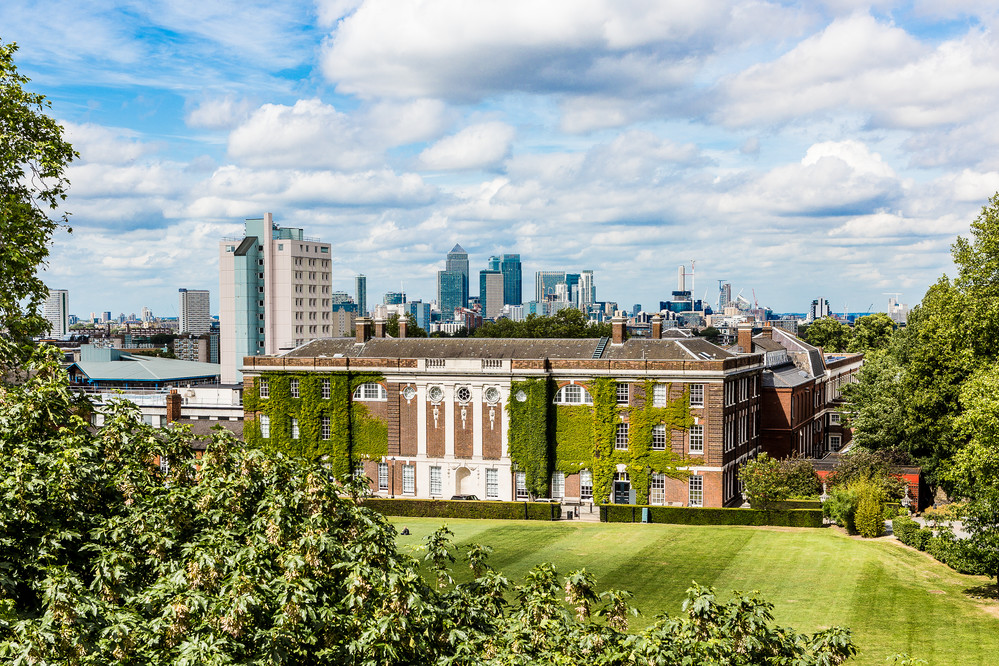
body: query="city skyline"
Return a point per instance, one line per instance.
(836, 143)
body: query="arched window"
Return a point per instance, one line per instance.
(573, 394)
(370, 391)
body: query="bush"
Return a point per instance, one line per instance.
(797, 504)
(465, 509)
(841, 507)
(627, 513)
(904, 527)
(768, 481)
(870, 517)
(921, 537)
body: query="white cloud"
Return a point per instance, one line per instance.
(218, 113)
(106, 145)
(476, 147)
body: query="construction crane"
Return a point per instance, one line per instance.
(869, 308)
(756, 303)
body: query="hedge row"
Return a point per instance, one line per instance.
(786, 505)
(958, 554)
(465, 509)
(675, 515)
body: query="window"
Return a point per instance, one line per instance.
(573, 394)
(621, 437)
(263, 388)
(657, 489)
(558, 485)
(834, 419)
(164, 465)
(585, 484)
(325, 427)
(520, 484)
(697, 439)
(382, 476)
(463, 394)
(659, 437)
(359, 470)
(370, 391)
(834, 442)
(492, 483)
(435, 481)
(294, 428)
(695, 488)
(408, 479)
(622, 394)
(265, 425)
(326, 389)
(697, 395)
(294, 388)
(660, 395)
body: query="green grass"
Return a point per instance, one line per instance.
(893, 598)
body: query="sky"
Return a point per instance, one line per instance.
(796, 150)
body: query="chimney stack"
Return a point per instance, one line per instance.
(173, 403)
(403, 325)
(746, 338)
(379, 328)
(619, 328)
(362, 325)
(657, 326)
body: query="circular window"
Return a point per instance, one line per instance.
(521, 396)
(492, 395)
(409, 393)
(436, 393)
(464, 395)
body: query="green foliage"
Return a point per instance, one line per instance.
(871, 333)
(678, 515)
(841, 507)
(354, 433)
(606, 416)
(412, 329)
(875, 467)
(528, 435)
(903, 528)
(829, 334)
(465, 509)
(675, 415)
(768, 481)
(574, 438)
(567, 323)
(869, 517)
(33, 161)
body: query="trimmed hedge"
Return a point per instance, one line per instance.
(958, 554)
(422, 508)
(676, 515)
(786, 505)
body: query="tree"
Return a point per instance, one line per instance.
(412, 330)
(871, 333)
(711, 333)
(567, 323)
(33, 160)
(870, 515)
(828, 333)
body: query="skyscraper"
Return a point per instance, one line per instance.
(509, 265)
(56, 311)
(457, 260)
(195, 311)
(452, 282)
(546, 284)
(274, 292)
(491, 293)
(361, 295)
(586, 291)
(394, 298)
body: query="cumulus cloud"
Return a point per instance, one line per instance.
(106, 145)
(476, 147)
(218, 113)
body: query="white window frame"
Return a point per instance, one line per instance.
(359, 469)
(263, 387)
(834, 419)
(324, 425)
(695, 490)
(558, 485)
(265, 425)
(696, 439)
(573, 394)
(621, 437)
(293, 386)
(622, 393)
(383, 476)
(660, 395)
(492, 483)
(294, 428)
(659, 439)
(409, 479)
(435, 481)
(835, 442)
(657, 489)
(371, 391)
(326, 389)
(697, 395)
(585, 484)
(520, 486)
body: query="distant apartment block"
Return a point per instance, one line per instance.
(274, 286)
(195, 311)
(361, 294)
(56, 312)
(491, 293)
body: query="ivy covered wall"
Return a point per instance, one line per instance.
(354, 433)
(568, 438)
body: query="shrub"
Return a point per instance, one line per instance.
(768, 481)
(921, 537)
(800, 478)
(904, 527)
(465, 509)
(841, 507)
(621, 513)
(870, 517)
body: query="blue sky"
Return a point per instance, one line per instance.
(800, 150)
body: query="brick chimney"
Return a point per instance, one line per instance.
(619, 328)
(403, 325)
(362, 325)
(768, 331)
(173, 403)
(746, 338)
(657, 326)
(379, 328)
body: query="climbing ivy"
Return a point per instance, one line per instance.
(529, 432)
(574, 443)
(606, 416)
(675, 415)
(354, 433)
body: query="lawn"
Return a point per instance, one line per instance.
(894, 599)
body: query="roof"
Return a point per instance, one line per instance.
(457, 248)
(202, 430)
(520, 348)
(138, 368)
(786, 376)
